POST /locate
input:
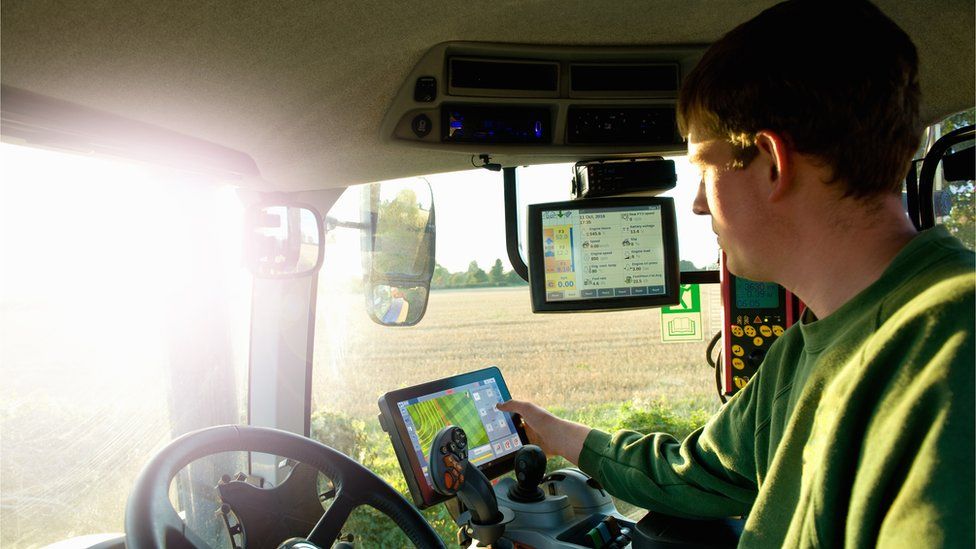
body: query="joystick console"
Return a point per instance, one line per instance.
(452, 474)
(449, 460)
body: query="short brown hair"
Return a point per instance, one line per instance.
(838, 78)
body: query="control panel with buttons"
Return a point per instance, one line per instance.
(756, 315)
(448, 466)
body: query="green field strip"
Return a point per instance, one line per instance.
(458, 409)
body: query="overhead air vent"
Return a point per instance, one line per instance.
(476, 77)
(623, 80)
(622, 125)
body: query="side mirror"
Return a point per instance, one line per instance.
(397, 250)
(283, 240)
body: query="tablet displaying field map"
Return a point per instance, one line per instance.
(430, 416)
(491, 433)
(414, 415)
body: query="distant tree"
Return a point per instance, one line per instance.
(512, 278)
(476, 275)
(400, 232)
(497, 274)
(686, 265)
(458, 280)
(441, 278)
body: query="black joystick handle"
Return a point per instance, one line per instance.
(530, 467)
(449, 460)
(452, 474)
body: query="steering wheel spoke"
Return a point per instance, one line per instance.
(151, 522)
(329, 527)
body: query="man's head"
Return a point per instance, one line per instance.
(838, 80)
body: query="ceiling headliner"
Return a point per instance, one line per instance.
(303, 86)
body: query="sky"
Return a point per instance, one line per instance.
(469, 206)
(470, 213)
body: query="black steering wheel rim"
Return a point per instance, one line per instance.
(151, 521)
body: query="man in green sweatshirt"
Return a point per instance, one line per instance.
(858, 429)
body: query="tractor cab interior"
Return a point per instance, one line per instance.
(268, 269)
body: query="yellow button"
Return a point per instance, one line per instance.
(737, 331)
(750, 331)
(738, 364)
(758, 341)
(737, 350)
(766, 331)
(778, 330)
(740, 381)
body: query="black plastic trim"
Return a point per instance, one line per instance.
(700, 277)
(926, 179)
(511, 224)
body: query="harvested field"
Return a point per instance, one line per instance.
(565, 361)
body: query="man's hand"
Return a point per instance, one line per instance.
(554, 435)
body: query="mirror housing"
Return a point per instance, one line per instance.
(397, 250)
(283, 240)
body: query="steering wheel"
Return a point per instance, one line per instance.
(151, 521)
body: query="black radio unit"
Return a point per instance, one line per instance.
(622, 126)
(647, 176)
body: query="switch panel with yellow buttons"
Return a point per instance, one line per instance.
(756, 315)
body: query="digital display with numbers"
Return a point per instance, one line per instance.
(756, 295)
(603, 254)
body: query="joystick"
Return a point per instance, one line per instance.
(452, 474)
(530, 467)
(449, 460)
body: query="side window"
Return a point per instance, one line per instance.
(954, 205)
(123, 324)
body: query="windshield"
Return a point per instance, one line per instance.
(123, 323)
(610, 369)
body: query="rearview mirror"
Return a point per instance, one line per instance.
(398, 250)
(283, 240)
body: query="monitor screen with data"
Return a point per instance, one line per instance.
(603, 254)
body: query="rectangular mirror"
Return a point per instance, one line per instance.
(283, 240)
(397, 250)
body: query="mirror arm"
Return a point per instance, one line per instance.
(333, 223)
(511, 224)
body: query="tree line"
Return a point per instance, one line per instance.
(475, 277)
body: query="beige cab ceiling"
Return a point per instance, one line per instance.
(305, 87)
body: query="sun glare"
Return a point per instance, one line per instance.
(105, 243)
(111, 273)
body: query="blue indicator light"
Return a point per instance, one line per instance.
(538, 128)
(456, 124)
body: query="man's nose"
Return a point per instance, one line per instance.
(700, 206)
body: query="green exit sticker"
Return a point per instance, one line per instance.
(683, 322)
(689, 300)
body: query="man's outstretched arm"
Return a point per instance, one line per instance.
(653, 471)
(556, 437)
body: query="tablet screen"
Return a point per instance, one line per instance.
(491, 433)
(414, 415)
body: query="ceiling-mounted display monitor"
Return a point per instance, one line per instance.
(603, 254)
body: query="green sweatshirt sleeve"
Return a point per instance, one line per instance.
(915, 483)
(708, 475)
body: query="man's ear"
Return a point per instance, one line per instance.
(776, 149)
